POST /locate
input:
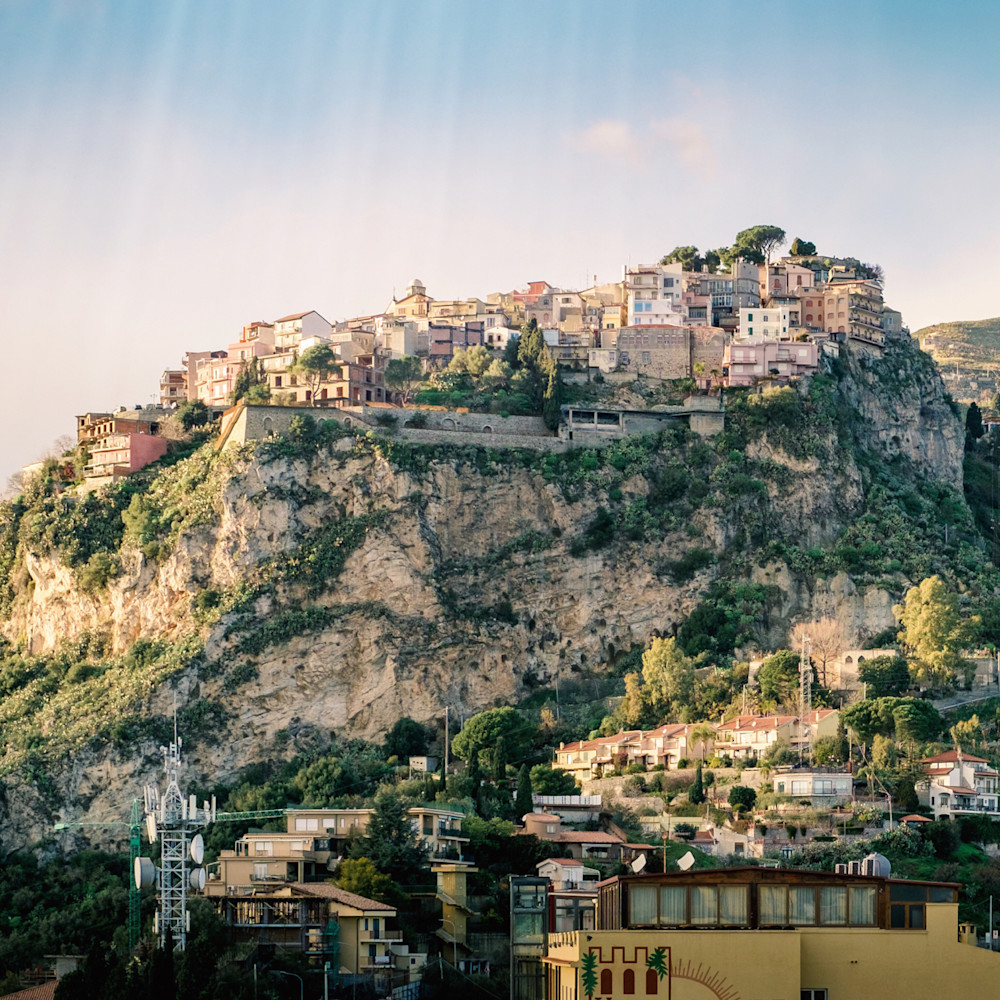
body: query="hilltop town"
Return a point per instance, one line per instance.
(684, 326)
(662, 522)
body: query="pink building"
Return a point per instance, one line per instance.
(748, 363)
(119, 455)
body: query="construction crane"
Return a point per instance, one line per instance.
(135, 849)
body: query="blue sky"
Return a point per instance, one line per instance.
(172, 171)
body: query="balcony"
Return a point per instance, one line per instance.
(383, 935)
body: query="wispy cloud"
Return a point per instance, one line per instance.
(617, 140)
(614, 140)
(690, 143)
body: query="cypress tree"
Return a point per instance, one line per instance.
(499, 761)
(696, 794)
(522, 802)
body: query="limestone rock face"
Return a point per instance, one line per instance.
(443, 603)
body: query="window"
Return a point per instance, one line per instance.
(906, 906)
(306, 823)
(773, 905)
(704, 905)
(801, 905)
(628, 982)
(673, 905)
(833, 905)
(812, 995)
(642, 906)
(606, 983)
(732, 905)
(652, 983)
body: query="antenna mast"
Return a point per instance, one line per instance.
(174, 818)
(805, 691)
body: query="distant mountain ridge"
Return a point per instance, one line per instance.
(968, 354)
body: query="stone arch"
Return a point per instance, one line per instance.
(448, 424)
(848, 660)
(268, 423)
(861, 659)
(347, 421)
(487, 429)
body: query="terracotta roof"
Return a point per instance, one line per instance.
(569, 862)
(951, 757)
(327, 891)
(915, 819)
(583, 837)
(542, 815)
(758, 722)
(818, 714)
(44, 992)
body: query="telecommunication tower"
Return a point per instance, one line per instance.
(173, 819)
(805, 691)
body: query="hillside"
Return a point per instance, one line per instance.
(330, 582)
(968, 354)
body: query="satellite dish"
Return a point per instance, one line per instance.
(639, 863)
(197, 849)
(196, 879)
(144, 873)
(151, 827)
(685, 862)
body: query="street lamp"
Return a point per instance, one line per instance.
(302, 985)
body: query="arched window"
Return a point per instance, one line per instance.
(628, 982)
(606, 988)
(652, 983)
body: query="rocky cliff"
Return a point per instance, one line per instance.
(333, 581)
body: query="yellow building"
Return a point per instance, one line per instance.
(767, 933)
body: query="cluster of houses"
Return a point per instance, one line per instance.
(757, 321)
(273, 887)
(745, 737)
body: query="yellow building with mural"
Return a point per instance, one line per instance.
(771, 934)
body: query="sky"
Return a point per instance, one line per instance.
(172, 171)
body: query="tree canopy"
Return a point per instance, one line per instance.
(316, 365)
(904, 718)
(403, 375)
(390, 840)
(934, 632)
(482, 731)
(802, 248)
(250, 384)
(778, 677)
(192, 413)
(407, 738)
(885, 676)
(757, 243)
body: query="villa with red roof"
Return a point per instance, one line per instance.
(751, 736)
(958, 784)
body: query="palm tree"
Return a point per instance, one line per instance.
(702, 733)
